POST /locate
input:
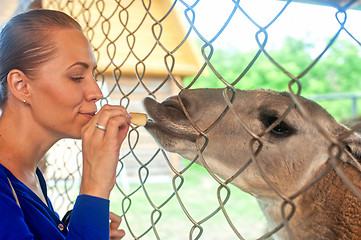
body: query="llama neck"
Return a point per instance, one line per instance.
(328, 210)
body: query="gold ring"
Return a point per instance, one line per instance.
(100, 127)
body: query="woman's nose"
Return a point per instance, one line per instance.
(93, 92)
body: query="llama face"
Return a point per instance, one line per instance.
(291, 152)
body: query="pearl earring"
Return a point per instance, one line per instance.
(24, 101)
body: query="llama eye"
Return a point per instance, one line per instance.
(280, 129)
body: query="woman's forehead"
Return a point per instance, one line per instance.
(72, 46)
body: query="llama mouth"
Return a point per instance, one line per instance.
(168, 119)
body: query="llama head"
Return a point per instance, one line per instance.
(292, 151)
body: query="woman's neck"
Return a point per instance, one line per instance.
(22, 144)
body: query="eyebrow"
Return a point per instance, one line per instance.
(83, 64)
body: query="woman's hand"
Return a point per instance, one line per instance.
(102, 137)
(115, 233)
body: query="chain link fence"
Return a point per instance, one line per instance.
(150, 48)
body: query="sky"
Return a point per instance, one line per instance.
(314, 23)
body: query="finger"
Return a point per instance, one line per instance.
(115, 221)
(117, 234)
(115, 218)
(102, 117)
(108, 111)
(89, 127)
(117, 127)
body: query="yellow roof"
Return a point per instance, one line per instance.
(128, 35)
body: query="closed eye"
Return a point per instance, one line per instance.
(77, 79)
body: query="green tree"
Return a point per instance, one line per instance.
(337, 71)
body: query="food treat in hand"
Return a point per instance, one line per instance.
(138, 119)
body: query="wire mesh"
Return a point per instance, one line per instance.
(146, 48)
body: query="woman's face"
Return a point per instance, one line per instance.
(63, 91)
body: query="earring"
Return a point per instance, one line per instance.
(24, 101)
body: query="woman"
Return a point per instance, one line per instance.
(48, 92)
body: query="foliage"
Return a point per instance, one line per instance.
(242, 209)
(337, 71)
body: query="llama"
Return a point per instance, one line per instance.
(294, 152)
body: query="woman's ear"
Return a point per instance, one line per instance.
(18, 84)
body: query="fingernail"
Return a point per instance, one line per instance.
(128, 118)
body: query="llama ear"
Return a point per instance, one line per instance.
(352, 153)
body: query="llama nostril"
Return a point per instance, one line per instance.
(348, 148)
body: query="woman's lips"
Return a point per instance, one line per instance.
(88, 115)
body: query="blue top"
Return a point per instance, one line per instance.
(35, 220)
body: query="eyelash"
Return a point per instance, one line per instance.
(77, 79)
